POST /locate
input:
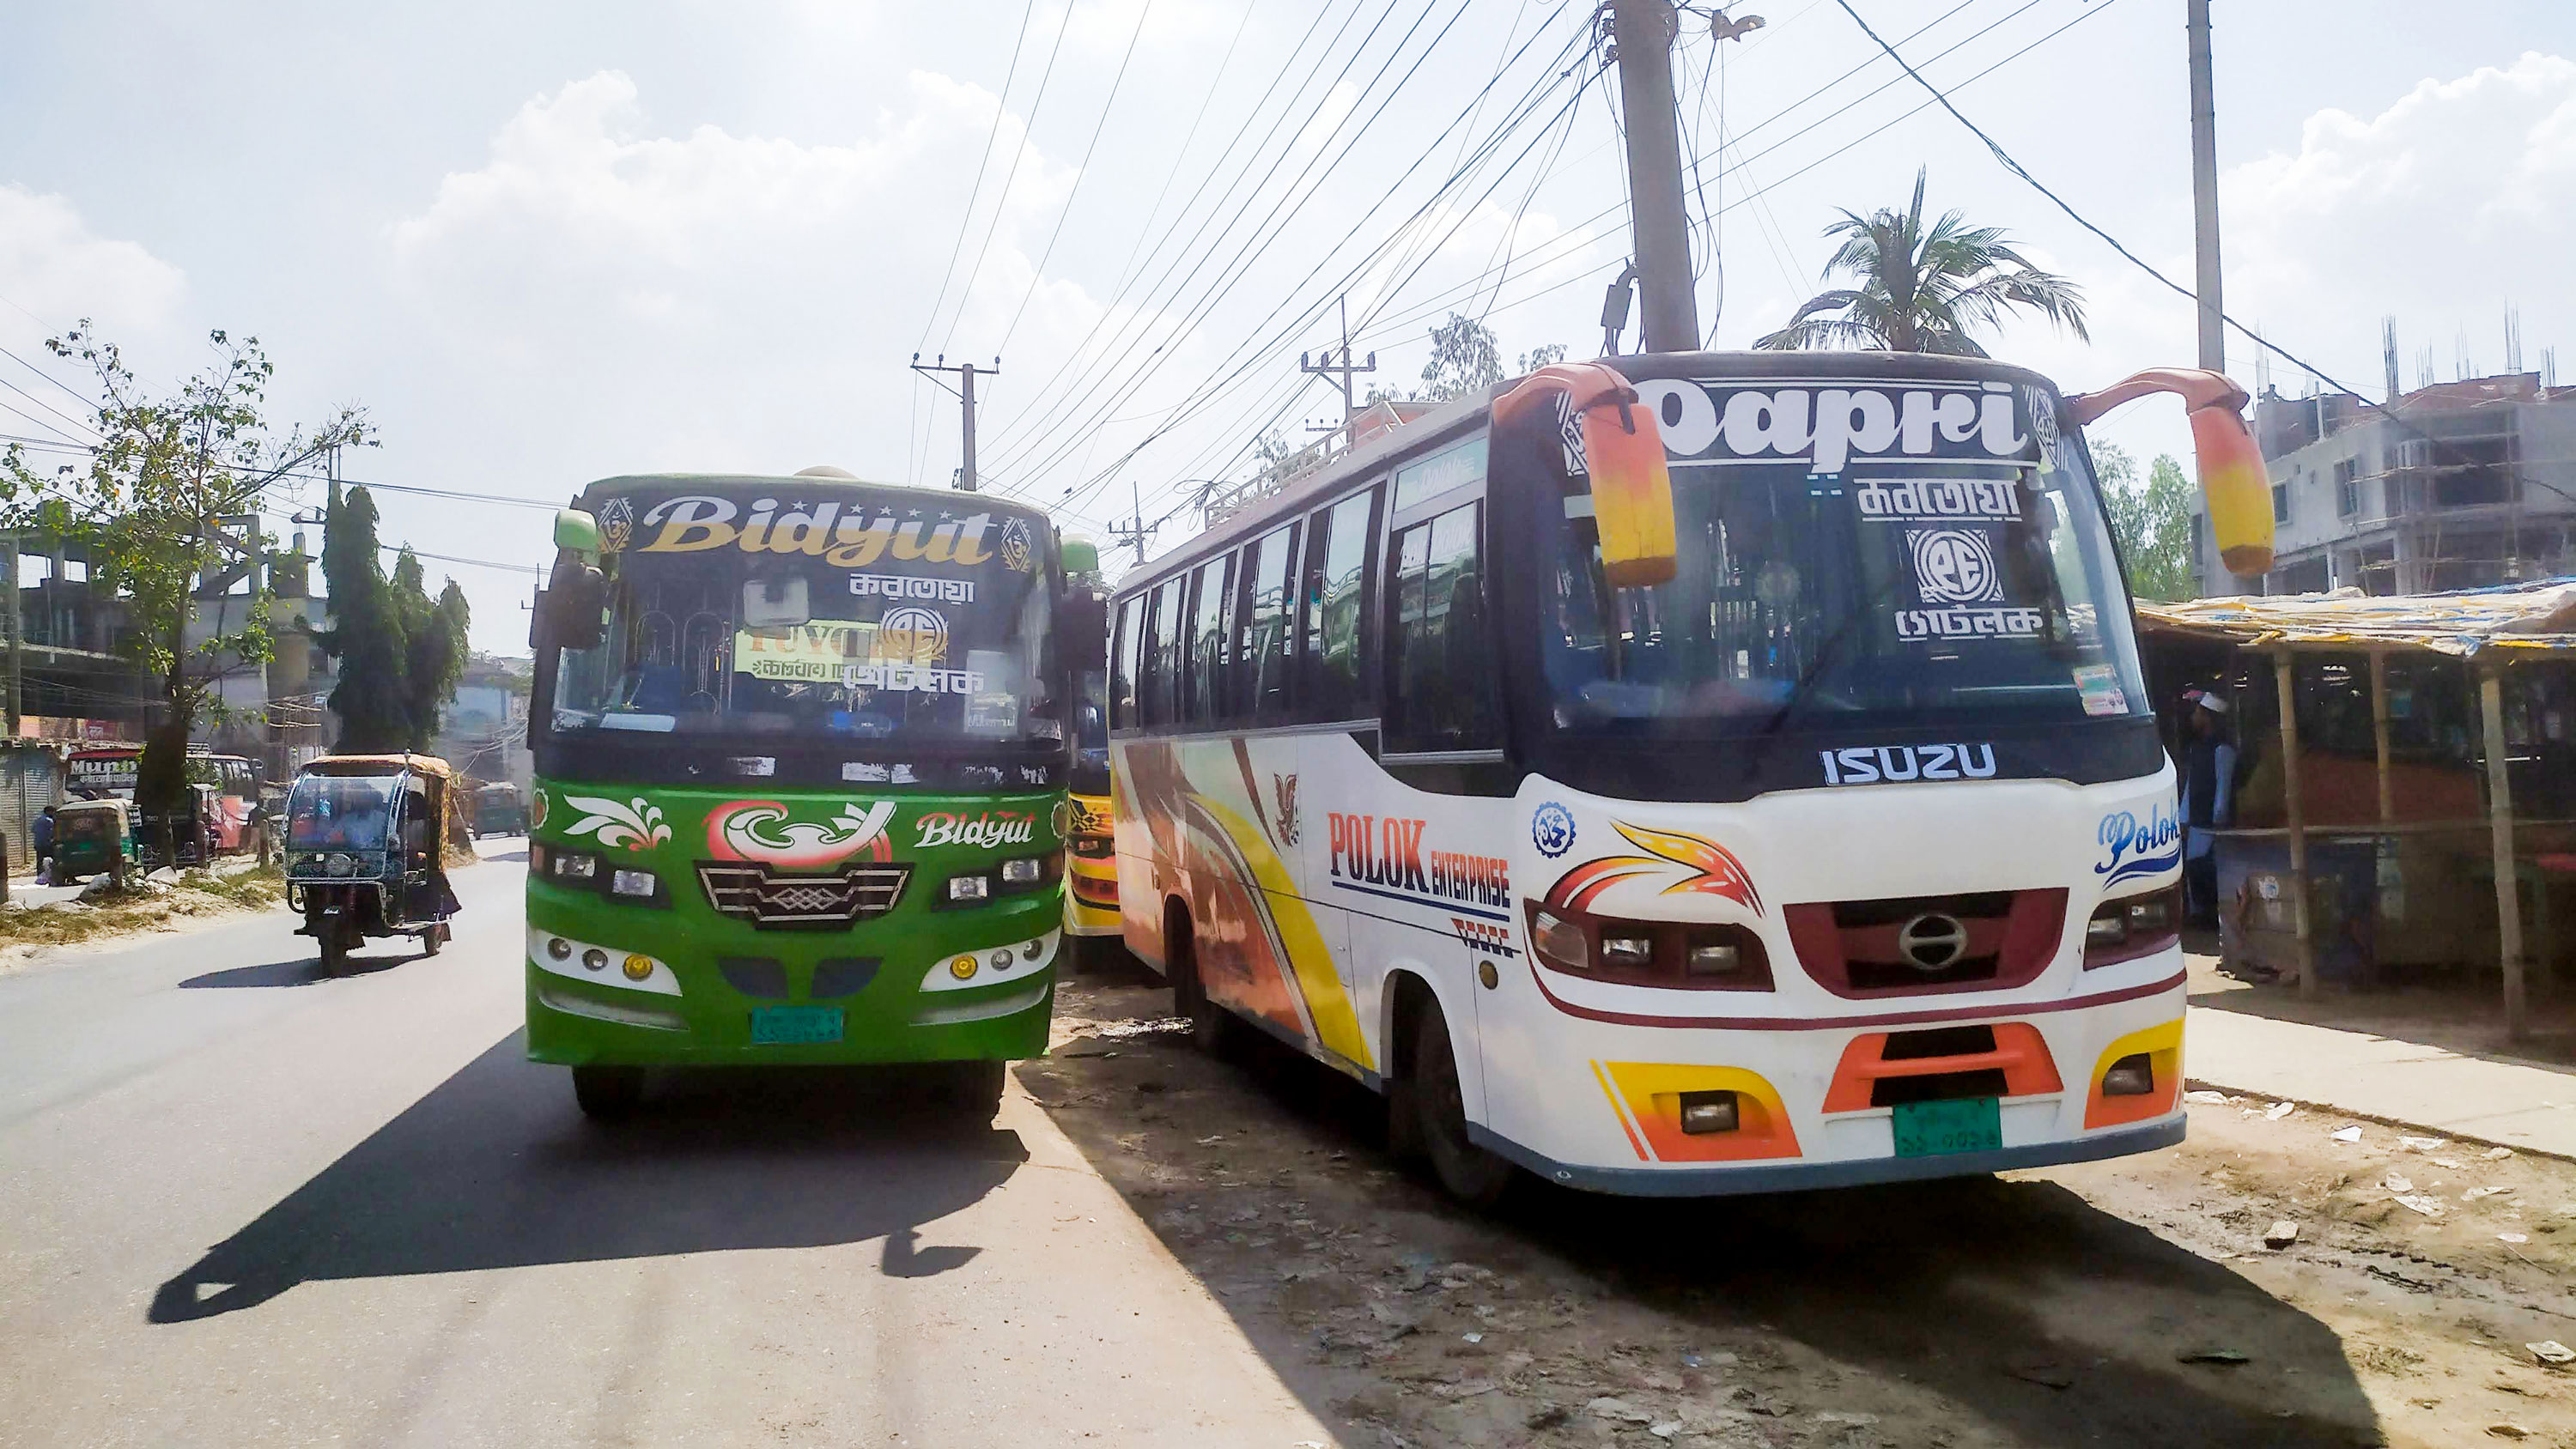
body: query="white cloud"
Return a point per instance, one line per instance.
(54, 267)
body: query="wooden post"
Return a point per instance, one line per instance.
(2379, 733)
(2508, 890)
(2297, 809)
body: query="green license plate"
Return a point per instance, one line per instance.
(1930, 1129)
(794, 1025)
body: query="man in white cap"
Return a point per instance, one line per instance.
(2208, 802)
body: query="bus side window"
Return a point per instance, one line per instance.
(1162, 673)
(1270, 611)
(1335, 590)
(1122, 664)
(1440, 667)
(1207, 637)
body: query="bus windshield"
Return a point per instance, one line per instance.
(725, 640)
(1946, 592)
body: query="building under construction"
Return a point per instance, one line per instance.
(2455, 485)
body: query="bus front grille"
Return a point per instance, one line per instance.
(774, 902)
(1917, 945)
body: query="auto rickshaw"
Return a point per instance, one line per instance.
(91, 837)
(498, 810)
(365, 851)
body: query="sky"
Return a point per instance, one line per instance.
(546, 244)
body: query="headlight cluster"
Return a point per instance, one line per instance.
(1016, 876)
(604, 965)
(1691, 955)
(582, 871)
(339, 862)
(993, 965)
(2133, 926)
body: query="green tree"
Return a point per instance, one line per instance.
(2152, 522)
(433, 647)
(166, 471)
(372, 698)
(1919, 289)
(1465, 358)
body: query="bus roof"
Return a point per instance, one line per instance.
(808, 484)
(1463, 414)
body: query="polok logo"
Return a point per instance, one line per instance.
(2131, 848)
(1954, 566)
(1830, 426)
(989, 830)
(698, 522)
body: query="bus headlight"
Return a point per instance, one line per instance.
(1025, 871)
(572, 865)
(338, 863)
(1633, 953)
(969, 888)
(1560, 943)
(1715, 959)
(2133, 926)
(639, 884)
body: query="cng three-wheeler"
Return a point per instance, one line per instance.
(364, 842)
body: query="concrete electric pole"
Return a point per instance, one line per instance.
(965, 394)
(1343, 370)
(1645, 31)
(2204, 189)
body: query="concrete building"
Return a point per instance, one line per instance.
(483, 731)
(2469, 483)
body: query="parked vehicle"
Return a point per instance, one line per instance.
(500, 810)
(364, 852)
(91, 837)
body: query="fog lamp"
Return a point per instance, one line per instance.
(1633, 952)
(1031, 949)
(559, 948)
(962, 967)
(638, 967)
(1020, 872)
(2130, 1076)
(632, 883)
(1001, 960)
(1560, 943)
(1715, 960)
(594, 959)
(969, 888)
(1708, 1112)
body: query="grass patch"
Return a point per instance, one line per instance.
(108, 912)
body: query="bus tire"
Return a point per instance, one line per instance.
(607, 1093)
(1438, 1111)
(973, 1090)
(1211, 1025)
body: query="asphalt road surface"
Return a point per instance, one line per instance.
(241, 1203)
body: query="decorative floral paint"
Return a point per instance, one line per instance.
(760, 830)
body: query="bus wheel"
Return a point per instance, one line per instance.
(1211, 1025)
(1438, 1108)
(1097, 955)
(607, 1093)
(973, 1090)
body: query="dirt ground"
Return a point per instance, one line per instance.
(2119, 1303)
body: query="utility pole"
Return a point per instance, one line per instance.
(1329, 368)
(10, 621)
(1645, 30)
(1134, 534)
(966, 394)
(2204, 189)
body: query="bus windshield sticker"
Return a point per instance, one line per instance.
(760, 830)
(1954, 566)
(904, 586)
(859, 773)
(1829, 427)
(2099, 686)
(1968, 623)
(694, 523)
(1019, 551)
(1937, 500)
(1896, 764)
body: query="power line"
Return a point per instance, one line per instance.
(1002, 198)
(1037, 273)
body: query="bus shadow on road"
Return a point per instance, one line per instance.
(1946, 1311)
(496, 1168)
(302, 971)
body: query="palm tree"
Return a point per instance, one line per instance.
(1921, 291)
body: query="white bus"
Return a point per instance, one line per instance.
(1734, 775)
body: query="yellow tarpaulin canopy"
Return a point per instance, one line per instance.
(2539, 617)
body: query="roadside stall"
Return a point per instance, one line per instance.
(2405, 787)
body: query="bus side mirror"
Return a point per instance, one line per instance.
(1623, 452)
(568, 609)
(2232, 477)
(1084, 626)
(576, 531)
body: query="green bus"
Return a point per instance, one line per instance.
(801, 748)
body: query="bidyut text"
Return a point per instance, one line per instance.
(1833, 425)
(1877, 764)
(991, 829)
(849, 540)
(1389, 853)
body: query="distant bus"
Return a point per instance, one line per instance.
(1091, 918)
(1732, 776)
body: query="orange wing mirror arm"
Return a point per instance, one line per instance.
(2231, 470)
(1623, 452)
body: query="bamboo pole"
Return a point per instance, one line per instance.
(2500, 830)
(2297, 809)
(2379, 733)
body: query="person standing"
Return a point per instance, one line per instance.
(2208, 803)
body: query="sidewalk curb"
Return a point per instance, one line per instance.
(2200, 1084)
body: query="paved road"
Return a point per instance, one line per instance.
(240, 1203)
